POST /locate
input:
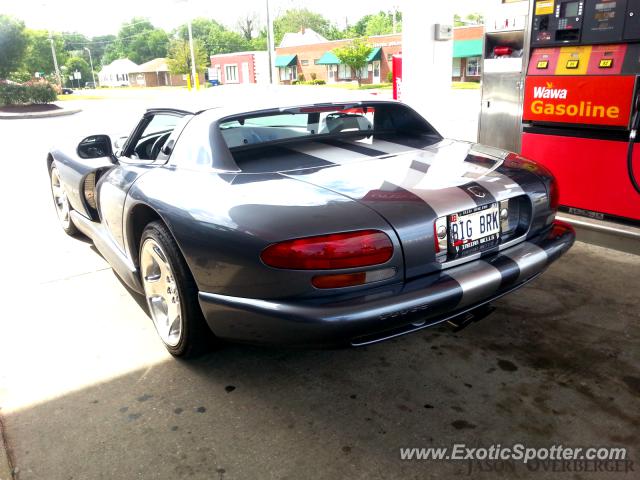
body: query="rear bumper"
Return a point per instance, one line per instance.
(391, 310)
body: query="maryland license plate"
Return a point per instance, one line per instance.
(474, 230)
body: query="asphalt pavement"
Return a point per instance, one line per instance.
(87, 391)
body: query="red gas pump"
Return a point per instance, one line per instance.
(396, 67)
(580, 113)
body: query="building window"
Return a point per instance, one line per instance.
(364, 73)
(344, 72)
(473, 66)
(389, 56)
(231, 73)
(288, 73)
(456, 68)
(304, 63)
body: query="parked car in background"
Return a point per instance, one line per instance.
(317, 224)
(89, 85)
(66, 91)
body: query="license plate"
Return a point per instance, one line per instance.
(474, 230)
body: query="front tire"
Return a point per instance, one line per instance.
(171, 293)
(61, 203)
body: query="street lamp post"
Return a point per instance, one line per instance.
(55, 59)
(270, 46)
(193, 57)
(93, 74)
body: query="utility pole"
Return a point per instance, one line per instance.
(93, 74)
(270, 43)
(55, 59)
(196, 81)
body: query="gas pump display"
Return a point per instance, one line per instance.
(580, 103)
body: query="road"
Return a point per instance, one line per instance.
(88, 392)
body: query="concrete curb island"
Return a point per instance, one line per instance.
(54, 113)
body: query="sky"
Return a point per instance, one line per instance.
(104, 17)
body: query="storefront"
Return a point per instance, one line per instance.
(318, 61)
(467, 53)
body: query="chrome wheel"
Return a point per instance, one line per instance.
(60, 199)
(161, 291)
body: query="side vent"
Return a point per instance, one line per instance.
(90, 190)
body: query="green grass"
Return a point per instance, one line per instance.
(80, 96)
(466, 85)
(354, 86)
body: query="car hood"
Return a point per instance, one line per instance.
(411, 187)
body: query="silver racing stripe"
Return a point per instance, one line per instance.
(339, 156)
(478, 280)
(500, 186)
(529, 257)
(443, 201)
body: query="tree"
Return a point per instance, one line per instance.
(179, 59)
(13, 42)
(294, 20)
(355, 56)
(380, 23)
(98, 47)
(139, 41)
(470, 19)
(248, 25)
(215, 37)
(38, 56)
(79, 64)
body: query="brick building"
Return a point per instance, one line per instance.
(240, 67)
(155, 73)
(317, 60)
(306, 61)
(467, 53)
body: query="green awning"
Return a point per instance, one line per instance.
(328, 58)
(286, 60)
(467, 48)
(375, 54)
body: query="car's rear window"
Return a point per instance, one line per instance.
(304, 122)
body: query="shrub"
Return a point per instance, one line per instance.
(318, 82)
(313, 76)
(390, 77)
(301, 77)
(42, 93)
(36, 92)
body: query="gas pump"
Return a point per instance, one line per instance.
(580, 109)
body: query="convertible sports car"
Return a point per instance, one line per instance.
(317, 224)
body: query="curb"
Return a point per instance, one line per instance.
(6, 467)
(19, 116)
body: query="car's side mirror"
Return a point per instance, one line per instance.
(95, 146)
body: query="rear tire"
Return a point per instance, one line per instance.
(61, 202)
(172, 294)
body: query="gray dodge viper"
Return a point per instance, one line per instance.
(316, 224)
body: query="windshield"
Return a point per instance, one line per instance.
(303, 122)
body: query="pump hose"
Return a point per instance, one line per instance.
(635, 124)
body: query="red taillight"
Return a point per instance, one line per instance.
(327, 252)
(340, 280)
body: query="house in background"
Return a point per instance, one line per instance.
(116, 74)
(240, 67)
(155, 73)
